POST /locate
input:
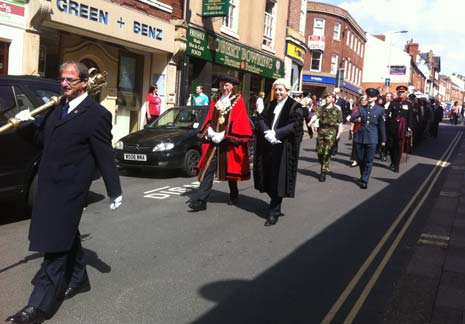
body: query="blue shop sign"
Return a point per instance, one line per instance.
(351, 87)
(100, 16)
(318, 79)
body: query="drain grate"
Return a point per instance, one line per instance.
(431, 239)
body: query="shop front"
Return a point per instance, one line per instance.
(211, 55)
(320, 85)
(294, 61)
(133, 48)
(12, 25)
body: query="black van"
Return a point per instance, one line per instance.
(19, 158)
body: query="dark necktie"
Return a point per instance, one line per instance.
(64, 111)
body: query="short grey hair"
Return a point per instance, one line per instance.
(80, 67)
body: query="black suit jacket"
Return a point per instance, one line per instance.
(73, 148)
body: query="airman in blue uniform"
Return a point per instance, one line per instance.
(372, 122)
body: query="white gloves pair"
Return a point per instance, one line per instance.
(116, 202)
(216, 137)
(24, 115)
(270, 136)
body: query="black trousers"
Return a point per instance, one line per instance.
(58, 272)
(206, 185)
(394, 145)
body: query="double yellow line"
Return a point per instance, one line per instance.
(439, 167)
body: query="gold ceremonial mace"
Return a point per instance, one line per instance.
(96, 82)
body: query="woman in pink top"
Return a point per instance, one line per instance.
(153, 103)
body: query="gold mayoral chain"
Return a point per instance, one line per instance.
(224, 106)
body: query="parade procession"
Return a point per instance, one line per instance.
(148, 146)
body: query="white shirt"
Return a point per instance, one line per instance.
(259, 104)
(277, 111)
(76, 102)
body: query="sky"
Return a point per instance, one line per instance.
(437, 25)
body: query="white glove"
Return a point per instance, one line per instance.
(24, 115)
(218, 137)
(348, 118)
(211, 133)
(116, 202)
(270, 136)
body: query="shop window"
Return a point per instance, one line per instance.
(318, 27)
(270, 23)
(230, 22)
(334, 61)
(337, 31)
(315, 65)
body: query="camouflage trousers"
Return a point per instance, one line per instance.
(324, 142)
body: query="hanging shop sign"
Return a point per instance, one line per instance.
(215, 8)
(219, 50)
(318, 79)
(296, 52)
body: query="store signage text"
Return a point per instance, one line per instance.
(215, 8)
(85, 11)
(220, 50)
(318, 79)
(12, 12)
(296, 52)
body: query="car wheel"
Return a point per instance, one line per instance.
(191, 160)
(32, 192)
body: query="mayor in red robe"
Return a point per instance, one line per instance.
(225, 133)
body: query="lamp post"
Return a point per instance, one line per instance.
(389, 56)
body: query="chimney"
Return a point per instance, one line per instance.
(380, 37)
(412, 49)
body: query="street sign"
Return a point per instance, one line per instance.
(387, 82)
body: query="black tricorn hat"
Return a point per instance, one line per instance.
(412, 96)
(227, 78)
(401, 88)
(372, 92)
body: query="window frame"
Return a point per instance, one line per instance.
(337, 31)
(319, 63)
(315, 28)
(231, 26)
(334, 63)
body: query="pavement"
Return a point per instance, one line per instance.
(431, 289)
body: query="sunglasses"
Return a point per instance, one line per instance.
(69, 80)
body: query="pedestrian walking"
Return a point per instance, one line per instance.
(438, 113)
(225, 133)
(279, 134)
(363, 101)
(397, 117)
(329, 131)
(153, 103)
(76, 139)
(200, 98)
(259, 104)
(371, 118)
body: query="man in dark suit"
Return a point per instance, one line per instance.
(76, 139)
(279, 133)
(372, 119)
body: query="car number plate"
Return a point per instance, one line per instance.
(135, 157)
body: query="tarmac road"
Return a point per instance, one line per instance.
(153, 261)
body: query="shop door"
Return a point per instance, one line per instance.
(130, 88)
(4, 47)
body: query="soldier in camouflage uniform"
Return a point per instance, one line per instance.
(329, 118)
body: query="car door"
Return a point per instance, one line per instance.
(18, 154)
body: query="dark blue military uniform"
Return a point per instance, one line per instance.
(366, 139)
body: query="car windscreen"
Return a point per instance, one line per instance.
(44, 93)
(190, 118)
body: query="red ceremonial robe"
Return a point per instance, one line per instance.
(232, 154)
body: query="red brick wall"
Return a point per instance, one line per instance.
(152, 11)
(331, 15)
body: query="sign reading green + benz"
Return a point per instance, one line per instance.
(215, 8)
(219, 50)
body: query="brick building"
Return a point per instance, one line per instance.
(337, 47)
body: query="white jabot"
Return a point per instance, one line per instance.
(76, 102)
(277, 111)
(386, 105)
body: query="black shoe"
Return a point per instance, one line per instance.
(233, 201)
(27, 315)
(363, 185)
(198, 205)
(272, 219)
(392, 167)
(322, 177)
(396, 169)
(73, 291)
